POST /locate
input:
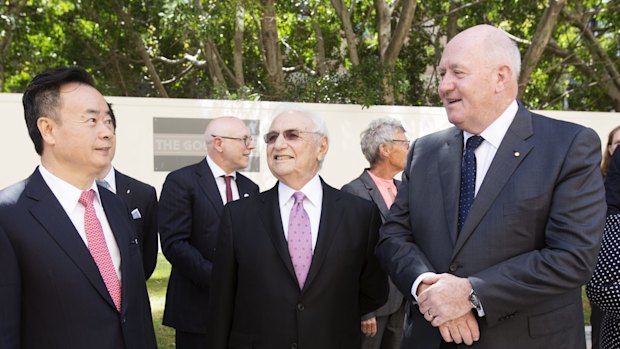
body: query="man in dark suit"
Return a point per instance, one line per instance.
(71, 275)
(141, 202)
(295, 265)
(495, 241)
(190, 206)
(384, 145)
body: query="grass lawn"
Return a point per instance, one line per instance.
(157, 293)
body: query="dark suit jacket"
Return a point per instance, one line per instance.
(190, 208)
(142, 197)
(364, 187)
(530, 240)
(51, 292)
(256, 299)
(612, 184)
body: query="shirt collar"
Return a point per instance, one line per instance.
(111, 179)
(313, 191)
(217, 170)
(494, 134)
(67, 194)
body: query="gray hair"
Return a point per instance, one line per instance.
(379, 131)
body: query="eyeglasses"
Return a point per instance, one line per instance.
(289, 135)
(405, 142)
(247, 140)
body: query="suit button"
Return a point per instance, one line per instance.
(453, 267)
(293, 345)
(300, 307)
(123, 320)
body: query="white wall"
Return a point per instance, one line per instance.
(134, 155)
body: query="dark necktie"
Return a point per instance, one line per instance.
(229, 196)
(300, 239)
(468, 179)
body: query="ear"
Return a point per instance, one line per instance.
(504, 75)
(323, 147)
(217, 144)
(47, 126)
(384, 150)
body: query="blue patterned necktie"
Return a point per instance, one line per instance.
(468, 179)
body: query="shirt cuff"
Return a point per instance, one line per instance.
(417, 282)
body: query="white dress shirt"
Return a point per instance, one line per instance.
(313, 201)
(69, 196)
(110, 180)
(221, 183)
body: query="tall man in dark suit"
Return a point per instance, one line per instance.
(71, 275)
(495, 241)
(295, 265)
(384, 144)
(141, 202)
(190, 206)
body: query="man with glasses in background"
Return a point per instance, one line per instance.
(384, 144)
(191, 203)
(295, 265)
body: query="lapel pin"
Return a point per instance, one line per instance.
(128, 191)
(517, 154)
(246, 195)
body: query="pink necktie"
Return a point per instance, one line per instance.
(300, 239)
(99, 249)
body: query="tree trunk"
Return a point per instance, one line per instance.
(320, 48)
(453, 16)
(238, 47)
(271, 45)
(347, 26)
(401, 33)
(142, 51)
(539, 42)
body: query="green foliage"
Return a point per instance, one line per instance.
(42, 34)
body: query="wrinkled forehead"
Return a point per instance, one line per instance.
(292, 120)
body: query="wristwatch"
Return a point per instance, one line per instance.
(475, 301)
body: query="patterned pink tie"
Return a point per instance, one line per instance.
(99, 249)
(300, 239)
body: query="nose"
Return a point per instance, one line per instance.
(445, 85)
(106, 131)
(251, 145)
(280, 142)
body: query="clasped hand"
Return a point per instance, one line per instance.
(444, 301)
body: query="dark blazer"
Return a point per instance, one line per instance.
(190, 207)
(256, 298)
(143, 198)
(51, 292)
(530, 240)
(364, 187)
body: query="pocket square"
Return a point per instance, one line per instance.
(136, 214)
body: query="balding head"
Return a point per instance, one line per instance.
(229, 143)
(479, 69)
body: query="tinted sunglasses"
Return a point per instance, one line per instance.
(289, 135)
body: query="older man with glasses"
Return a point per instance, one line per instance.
(190, 206)
(295, 265)
(385, 145)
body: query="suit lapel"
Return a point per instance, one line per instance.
(244, 185)
(121, 232)
(504, 164)
(208, 185)
(272, 221)
(450, 156)
(331, 211)
(49, 213)
(375, 194)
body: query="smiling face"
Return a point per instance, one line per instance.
(477, 84)
(296, 161)
(79, 139)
